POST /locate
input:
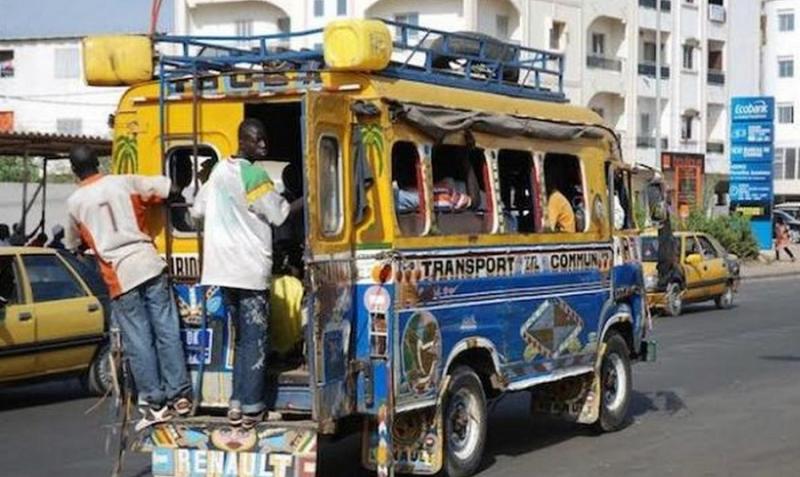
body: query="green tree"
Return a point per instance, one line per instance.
(12, 169)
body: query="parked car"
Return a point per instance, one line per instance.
(792, 208)
(53, 318)
(791, 222)
(707, 272)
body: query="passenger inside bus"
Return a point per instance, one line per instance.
(459, 191)
(515, 169)
(564, 190)
(289, 237)
(180, 171)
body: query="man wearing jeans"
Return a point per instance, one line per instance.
(107, 214)
(239, 203)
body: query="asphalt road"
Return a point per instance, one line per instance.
(723, 399)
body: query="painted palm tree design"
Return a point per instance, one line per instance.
(126, 155)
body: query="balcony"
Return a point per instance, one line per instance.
(716, 77)
(649, 69)
(601, 62)
(715, 147)
(649, 142)
(666, 5)
(716, 13)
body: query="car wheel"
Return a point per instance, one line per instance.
(465, 423)
(615, 385)
(673, 299)
(99, 376)
(725, 300)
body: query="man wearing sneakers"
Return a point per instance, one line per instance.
(239, 203)
(106, 213)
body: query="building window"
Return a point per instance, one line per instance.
(786, 67)
(284, 25)
(778, 164)
(71, 126)
(556, 34)
(790, 163)
(501, 26)
(786, 21)
(319, 8)
(410, 18)
(6, 63)
(688, 57)
(341, 7)
(598, 44)
(686, 127)
(67, 63)
(644, 124)
(649, 51)
(330, 186)
(786, 113)
(244, 29)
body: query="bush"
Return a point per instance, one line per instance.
(733, 232)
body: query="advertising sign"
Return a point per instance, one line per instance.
(752, 153)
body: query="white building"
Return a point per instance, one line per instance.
(610, 49)
(780, 79)
(42, 89)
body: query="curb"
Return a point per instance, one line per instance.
(763, 276)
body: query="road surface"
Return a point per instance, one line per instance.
(723, 399)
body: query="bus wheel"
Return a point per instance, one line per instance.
(673, 299)
(465, 422)
(615, 384)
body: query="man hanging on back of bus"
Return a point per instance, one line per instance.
(106, 213)
(239, 204)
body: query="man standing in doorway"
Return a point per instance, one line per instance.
(239, 203)
(106, 213)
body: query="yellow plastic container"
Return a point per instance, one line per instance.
(117, 60)
(357, 45)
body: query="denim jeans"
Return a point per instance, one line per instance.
(148, 321)
(249, 310)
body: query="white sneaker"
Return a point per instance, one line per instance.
(152, 416)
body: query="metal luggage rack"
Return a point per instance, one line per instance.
(461, 60)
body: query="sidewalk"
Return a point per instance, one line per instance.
(766, 266)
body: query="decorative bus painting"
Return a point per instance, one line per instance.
(467, 234)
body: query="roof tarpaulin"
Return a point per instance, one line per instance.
(438, 123)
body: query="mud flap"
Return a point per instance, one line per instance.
(417, 440)
(575, 398)
(210, 447)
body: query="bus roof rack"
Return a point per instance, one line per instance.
(462, 60)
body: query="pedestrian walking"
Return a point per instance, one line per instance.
(104, 215)
(782, 239)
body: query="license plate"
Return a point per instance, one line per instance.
(216, 463)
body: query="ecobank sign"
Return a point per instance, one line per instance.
(753, 109)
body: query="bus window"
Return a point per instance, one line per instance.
(183, 169)
(408, 188)
(460, 197)
(516, 191)
(623, 214)
(566, 207)
(330, 186)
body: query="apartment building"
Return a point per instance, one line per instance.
(42, 89)
(610, 48)
(781, 39)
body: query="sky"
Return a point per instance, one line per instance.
(49, 18)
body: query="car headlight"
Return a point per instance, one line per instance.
(650, 282)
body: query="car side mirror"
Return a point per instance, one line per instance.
(694, 259)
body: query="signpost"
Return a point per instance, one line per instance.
(752, 153)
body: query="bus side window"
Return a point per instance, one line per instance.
(516, 191)
(460, 196)
(408, 189)
(183, 169)
(330, 186)
(566, 209)
(623, 212)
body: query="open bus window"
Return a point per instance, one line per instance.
(183, 168)
(460, 197)
(623, 215)
(566, 205)
(330, 186)
(516, 191)
(408, 189)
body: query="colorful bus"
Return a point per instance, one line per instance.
(467, 233)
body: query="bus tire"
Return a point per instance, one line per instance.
(615, 384)
(465, 423)
(98, 377)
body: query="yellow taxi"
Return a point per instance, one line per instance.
(52, 318)
(707, 272)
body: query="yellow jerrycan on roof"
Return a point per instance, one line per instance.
(357, 45)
